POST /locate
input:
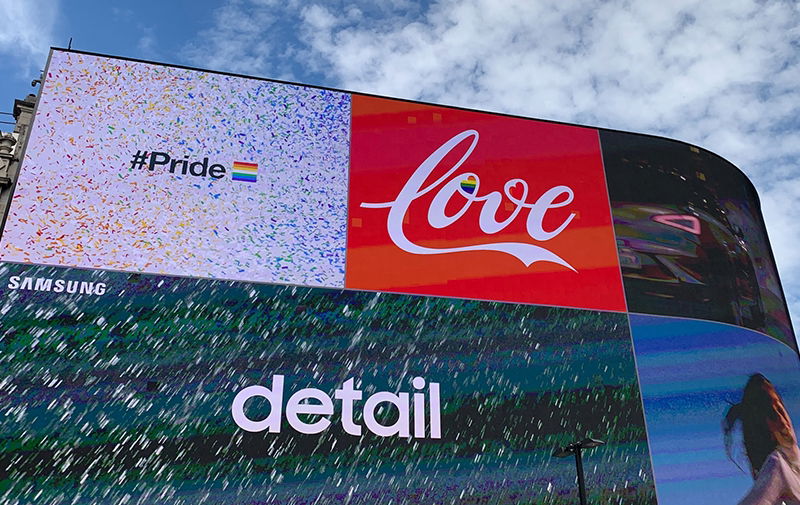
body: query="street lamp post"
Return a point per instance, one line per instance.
(576, 448)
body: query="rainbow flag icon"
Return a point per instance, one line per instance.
(469, 184)
(247, 172)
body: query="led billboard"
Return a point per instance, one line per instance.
(699, 376)
(135, 388)
(690, 235)
(140, 167)
(476, 205)
(224, 289)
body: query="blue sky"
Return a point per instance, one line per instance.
(717, 73)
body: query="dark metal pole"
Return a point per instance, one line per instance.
(576, 448)
(581, 483)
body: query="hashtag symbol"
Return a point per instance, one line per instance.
(138, 160)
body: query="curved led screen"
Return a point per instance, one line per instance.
(223, 289)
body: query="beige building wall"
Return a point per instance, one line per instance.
(11, 146)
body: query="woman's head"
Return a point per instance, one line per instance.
(764, 420)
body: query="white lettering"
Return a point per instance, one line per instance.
(348, 395)
(438, 218)
(295, 407)
(275, 398)
(43, 284)
(419, 408)
(399, 427)
(57, 285)
(436, 412)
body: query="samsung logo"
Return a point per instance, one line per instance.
(56, 285)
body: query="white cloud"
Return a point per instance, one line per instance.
(243, 38)
(147, 43)
(723, 75)
(263, 37)
(27, 32)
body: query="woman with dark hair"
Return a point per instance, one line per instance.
(769, 441)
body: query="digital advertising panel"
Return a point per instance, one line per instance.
(690, 235)
(468, 204)
(719, 402)
(225, 289)
(140, 167)
(132, 388)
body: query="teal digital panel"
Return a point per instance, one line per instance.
(131, 388)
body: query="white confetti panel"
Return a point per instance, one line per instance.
(80, 203)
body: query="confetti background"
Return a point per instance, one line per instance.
(79, 203)
(125, 398)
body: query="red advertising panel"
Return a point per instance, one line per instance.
(467, 204)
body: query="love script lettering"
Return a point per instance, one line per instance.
(467, 185)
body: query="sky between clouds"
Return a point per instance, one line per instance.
(721, 74)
